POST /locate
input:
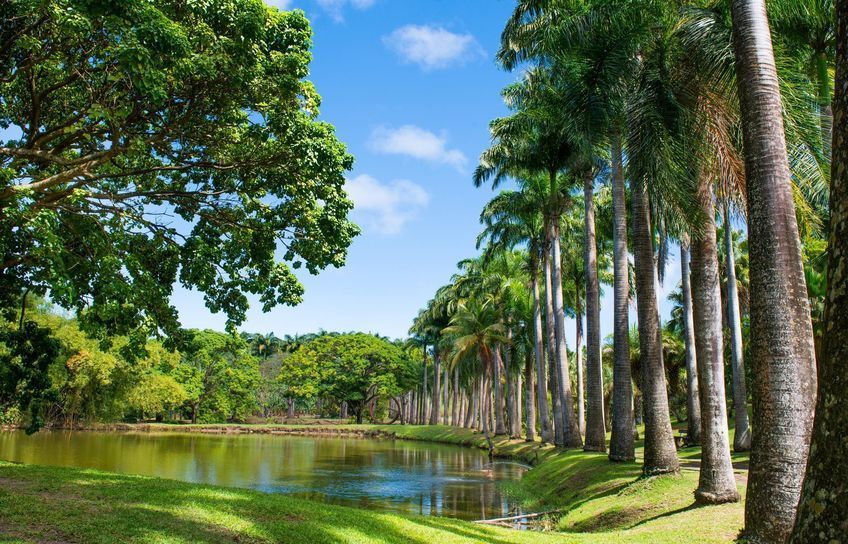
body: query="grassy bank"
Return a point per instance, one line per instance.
(601, 502)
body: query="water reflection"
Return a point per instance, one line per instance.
(413, 477)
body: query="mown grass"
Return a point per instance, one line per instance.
(600, 502)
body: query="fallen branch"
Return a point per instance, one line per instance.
(497, 521)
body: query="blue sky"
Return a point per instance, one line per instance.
(411, 86)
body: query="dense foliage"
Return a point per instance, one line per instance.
(160, 142)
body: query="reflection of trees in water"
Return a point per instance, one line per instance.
(406, 476)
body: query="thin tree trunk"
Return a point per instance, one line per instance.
(716, 483)
(693, 402)
(290, 408)
(446, 396)
(437, 388)
(553, 367)
(539, 353)
(622, 445)
(742, 437)
(530, 406)
(497, 372)
(571, 433)
(456, 399)
(516, 423)
(595, 428)
(781, 345)
(660, 452)
(578, 359)
(823, 509)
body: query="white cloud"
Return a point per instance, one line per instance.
(432, 47)
(386, 208)
(335, 8)
(281, 4)
(416, 142)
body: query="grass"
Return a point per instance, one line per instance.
(601, 503)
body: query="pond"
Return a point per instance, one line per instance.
(403, 476)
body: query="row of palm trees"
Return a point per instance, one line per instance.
(684, 113)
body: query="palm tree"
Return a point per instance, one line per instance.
(476, 327)
(693, 406)
(742, 437)
(822, 508)
(782, 352)
(532, 140)
(511, 219)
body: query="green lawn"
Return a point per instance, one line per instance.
(602, 503)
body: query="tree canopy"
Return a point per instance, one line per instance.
(156, 142)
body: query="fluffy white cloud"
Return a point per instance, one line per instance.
(281, 4)
(385, 207)
(335, 8)
(416, 142)
(432, 47)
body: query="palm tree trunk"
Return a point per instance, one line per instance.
(456, 398)
(497, 372)
(622, 445)
(539, 353)
(742, 436)
(553, 367)
(571, 433)
(693, 402)
(716, 483)
(595, 427)
(660, 452)
(437, 387)
(578, 359)
(823, 508)
(782, 352)
(446, 396)
(516, 423)
(529, 405)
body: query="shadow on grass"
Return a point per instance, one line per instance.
(70, 505)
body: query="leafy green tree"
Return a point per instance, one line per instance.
(220, 376)
(356, 368)
(157, 142)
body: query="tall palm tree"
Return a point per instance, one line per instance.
(822, 509)
(782, 352)
(742, 436)
(476, 327)
(533, 140)
(693, 403)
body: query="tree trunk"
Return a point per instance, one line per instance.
(290, 408)
(716, 483)
(823, 509)
(446, 395)
(570, 431)
(782, 352)
(437, 388)
(595, 428)
(693, 401)
(578, 360)
(456, 399)
(519, 412)
(742, 437)
(539, 353)
(553, 367)
(660, 452)
(343, 410)
(497, 373)
(622, 445)
(529, 405)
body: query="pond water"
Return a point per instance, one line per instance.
(403, 476)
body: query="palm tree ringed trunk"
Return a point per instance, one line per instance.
(529, 405)
(497, 372)
(437, 387)
(660, 451)
(693, 402)
(553, 359)
(578, 359)
(539, 351)
(622, 444)
(571, 433)
(823, 509)
(781, 345)
(742, 436)
(595, 426)
(716, 483)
